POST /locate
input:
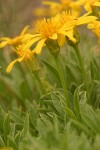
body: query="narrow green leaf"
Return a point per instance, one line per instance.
(52, 69)
(6, 125)
(90, 118)
(11, 143)
(2, 144)
(2, 116)
(90, 123)
(12, 130)
(46, 120)
(57, 103)
(70, 113)
(76, 103)
(41, 128)
(56, 125)
(25, 130)
(18, 137)
(33, 115)
(16, 118)
(82, 127)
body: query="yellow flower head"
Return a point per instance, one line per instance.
(23, 55)
(66, 18)
(64, 5)
(50, 28)
(89, 4)
(47, 27)
(55, 28)
(95, 26)
(14, 41)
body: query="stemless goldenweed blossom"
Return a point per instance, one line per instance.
(14, 41)
(56, 28)
(95, 26)
(49, 29)
(23, 55)
(89, 4)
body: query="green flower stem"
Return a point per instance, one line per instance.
(40, 83)
(34, 72)
(62, 78)
(81, 64)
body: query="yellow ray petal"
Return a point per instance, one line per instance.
(5, 38)
(10, 66)
(61, 40)
(29, 36)
(24, 30)
(31, 42)
(90, 26)
(85, 20)
(39, 46)
(2, 44)
(88, 7)
(96, 4)
(70, 36)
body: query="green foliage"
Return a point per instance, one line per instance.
(36, 119)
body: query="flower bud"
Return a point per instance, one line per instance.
(53, 46)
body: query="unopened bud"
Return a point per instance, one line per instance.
(53, 46)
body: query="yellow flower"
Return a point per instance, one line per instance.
(50, 29)
(56, 7)
(14, 41)
(67, 5)
(56, 28)
(89, 4)
(95, 26)
(65, 18)
(23, 55)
